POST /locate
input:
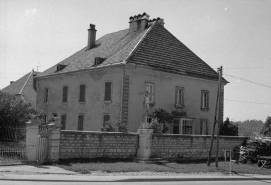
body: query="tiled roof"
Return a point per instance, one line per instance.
(23, 86)
(162, 51)
(155, 47)
(115, 47)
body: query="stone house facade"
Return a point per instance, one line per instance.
(105, 81)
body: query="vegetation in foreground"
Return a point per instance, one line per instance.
(87, 166)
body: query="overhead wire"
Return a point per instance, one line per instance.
(250, 81)
(248, 102)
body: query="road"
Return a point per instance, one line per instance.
(13, 179)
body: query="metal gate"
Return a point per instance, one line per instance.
(12, 145)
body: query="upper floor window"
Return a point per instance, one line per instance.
(203, 127)
(65, 94)
(204, 100)
(150, 92)
(80, 122)
(179, 96)
(108, 91)
(82, 93)
(46, 95)
(63, 121)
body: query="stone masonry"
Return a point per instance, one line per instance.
(86, 144)
(189, 147)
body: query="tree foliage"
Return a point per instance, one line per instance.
(114, 126)
(266, 130)
(15, 112)
(162, 118)
(228, 128)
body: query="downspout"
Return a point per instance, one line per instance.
(121, 94)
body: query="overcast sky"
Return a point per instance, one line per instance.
(230, 33)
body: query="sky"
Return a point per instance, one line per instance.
(235, 34)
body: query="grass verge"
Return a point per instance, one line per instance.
(86, 166)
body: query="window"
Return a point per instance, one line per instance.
(44, 118)
(46, 95)
(149, 119)
(82, 93)
(204, 100)
(187, 127)
(150, 92)
(179, 96)
(65, 94)
(106, 118)
(108, 91)
(80, 122)
(63, 121)
(203, 127)
(183, 126)
(176, 128)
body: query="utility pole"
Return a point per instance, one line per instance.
(218, 115)
(216, 120)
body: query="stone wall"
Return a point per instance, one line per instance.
(86, 144)
(189, 147)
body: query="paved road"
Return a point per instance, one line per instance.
(13, 179)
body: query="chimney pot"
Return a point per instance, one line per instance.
(11, 82)
(91, 36)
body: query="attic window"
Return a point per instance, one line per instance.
(59, 67)
(98, 60)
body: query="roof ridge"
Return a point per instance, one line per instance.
(139, 42)
(26, 82)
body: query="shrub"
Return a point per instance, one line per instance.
(115, 126)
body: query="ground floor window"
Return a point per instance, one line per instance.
(183, 126)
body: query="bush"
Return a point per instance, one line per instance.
(228, 129)
(118, 126)
(266, 130)
(15, 112)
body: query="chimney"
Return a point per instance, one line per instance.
(91, 36)
(160, 21)
(139, 22)
(11, 82)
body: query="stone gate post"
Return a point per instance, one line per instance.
(54, 142)
(32, 140)
(145, 139)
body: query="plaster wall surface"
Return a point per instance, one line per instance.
(94, 106)
(164, 96)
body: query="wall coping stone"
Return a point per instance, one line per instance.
(198, 136)
(97, 133)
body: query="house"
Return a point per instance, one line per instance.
(23, 88)
(106, 80)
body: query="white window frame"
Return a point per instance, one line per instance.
(150, 89)
(179, 100)
(182, 121)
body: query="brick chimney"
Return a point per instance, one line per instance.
(139, 22)
(91, 36)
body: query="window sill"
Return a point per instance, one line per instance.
(107, 101)
(82, 102)
(204, 109)
(179, 106)
(64, 103)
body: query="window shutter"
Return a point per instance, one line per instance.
(82, 93)
(80, 122)
(63, 122)
(65, 94)
(107, 93)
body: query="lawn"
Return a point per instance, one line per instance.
(88, 166)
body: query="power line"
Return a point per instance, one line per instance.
(248, 102)
(250, 81)
(248, 67)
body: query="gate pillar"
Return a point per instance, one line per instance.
(32, 140)
(54, 142)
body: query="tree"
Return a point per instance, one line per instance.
(266, 130)
(228, 129)
(163, 117)
(15, 112)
